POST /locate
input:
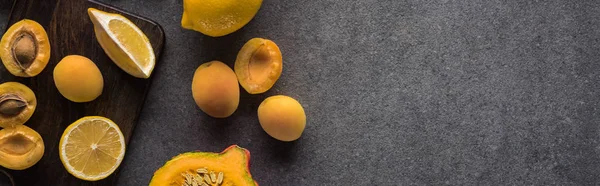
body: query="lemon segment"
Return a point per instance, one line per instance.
(92, 148)
(124, 43)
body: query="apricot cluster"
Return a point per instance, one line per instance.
(25, 51)
(20, 146)
(257, 67)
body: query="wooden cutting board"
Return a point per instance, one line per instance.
(71, 32)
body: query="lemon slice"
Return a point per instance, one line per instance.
(92, 148)
(123, 42)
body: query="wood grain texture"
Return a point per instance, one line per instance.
(71, 32)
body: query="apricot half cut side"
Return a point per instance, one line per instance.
(25, 48)
(20, 147)
(17, 103)
(258, 65)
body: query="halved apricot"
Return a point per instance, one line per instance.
(258, 65)
(25, 48)
(20, 147)
(17, 104)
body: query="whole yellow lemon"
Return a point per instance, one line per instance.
(218, 17)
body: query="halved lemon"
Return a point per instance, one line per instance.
(123, 42)
(92, 148)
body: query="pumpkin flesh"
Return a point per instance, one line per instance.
(233, 162)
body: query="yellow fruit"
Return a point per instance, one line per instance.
(282, 117)
(258, 65)
(78, 79)
(20, 147)
(25, 48)
(218, 17)
(215, 89)
(124, 43)
(92, 148)
(17, 104)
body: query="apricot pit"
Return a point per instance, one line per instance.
(17, 104)
(258, 65)
(20, 147)
(25, 48)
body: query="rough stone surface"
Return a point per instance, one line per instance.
(396, 92)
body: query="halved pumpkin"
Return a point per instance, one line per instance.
(230, 167)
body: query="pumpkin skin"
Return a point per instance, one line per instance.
(233, 162)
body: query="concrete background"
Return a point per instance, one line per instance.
(396, 92)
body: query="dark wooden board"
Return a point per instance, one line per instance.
(71, 32)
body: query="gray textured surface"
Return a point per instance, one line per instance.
(396, 93)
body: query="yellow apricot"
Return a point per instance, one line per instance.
(215, 89)
(20, 147)
(25, 48)
(258, 65)
(17, 104)
(282, 117)
(78, 79)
